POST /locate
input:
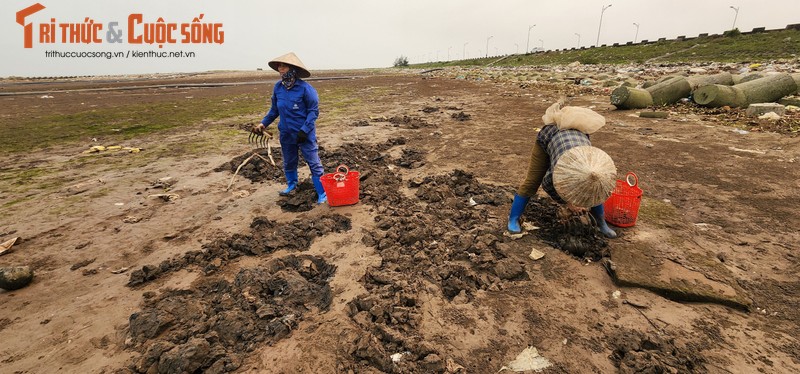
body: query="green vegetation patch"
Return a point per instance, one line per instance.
(121, 123)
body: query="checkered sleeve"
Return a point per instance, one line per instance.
(555, 142)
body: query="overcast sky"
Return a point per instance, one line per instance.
(368, 33)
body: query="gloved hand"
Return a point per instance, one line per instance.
(258, 129)
(301, 136)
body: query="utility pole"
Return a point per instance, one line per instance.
(637, 32)
(464, 51)
(487, 45)
(579, 40)
(597, 43)
(736, 9)
(527, 44)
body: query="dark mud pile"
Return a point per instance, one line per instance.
(378, 183)
(406, 122)
(437, 236)
(576, 235)
(302, 199)
(637, 352)
(210, 326)
(441, 239)
(265, 237)
(257, 169)
(411, 159)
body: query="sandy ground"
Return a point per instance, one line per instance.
(220, 280)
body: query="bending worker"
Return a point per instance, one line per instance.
(567, 167)
(297, 105)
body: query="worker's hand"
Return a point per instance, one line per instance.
(258, 129)
(301, 136)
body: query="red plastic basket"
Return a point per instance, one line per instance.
(622, 207)
(341, 187)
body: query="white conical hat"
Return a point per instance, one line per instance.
(291, 59)
(585, 176)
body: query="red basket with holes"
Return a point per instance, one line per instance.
(341, 187)
(622, 207)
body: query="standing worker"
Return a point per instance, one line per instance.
(567, 167)
(297, 105)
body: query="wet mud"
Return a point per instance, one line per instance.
(435, 235)
(638, 352)
(265, 237)
(209, 327)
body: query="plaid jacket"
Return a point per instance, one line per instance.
(555, 142)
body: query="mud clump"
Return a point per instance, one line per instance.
(265, 237)
(258, 169)
(411, 159)
(459, 185)
(637, 352)
(302, 199)
(210, 326)
(575, 235)
(460, 116)
(407, 122)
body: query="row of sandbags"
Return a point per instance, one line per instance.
(715, 90)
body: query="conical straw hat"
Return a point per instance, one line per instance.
(291, 59)
(585, 176)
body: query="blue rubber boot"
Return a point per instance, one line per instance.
(321, 197)
(598, 213)
(517, 207)
(291, 181)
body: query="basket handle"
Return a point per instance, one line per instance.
(635, 179)
(339, 175)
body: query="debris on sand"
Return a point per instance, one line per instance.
(536, 254)
(5, 247)
(528, 359)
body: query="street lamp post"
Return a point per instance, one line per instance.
(487, 45)
(579, 40)
(736, 9)
(637, 32)
(597, 43)
(527, 44)
(464, 51)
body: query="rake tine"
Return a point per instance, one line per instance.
(250, 138)
(263, 141)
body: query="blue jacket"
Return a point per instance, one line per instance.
(298, 109)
